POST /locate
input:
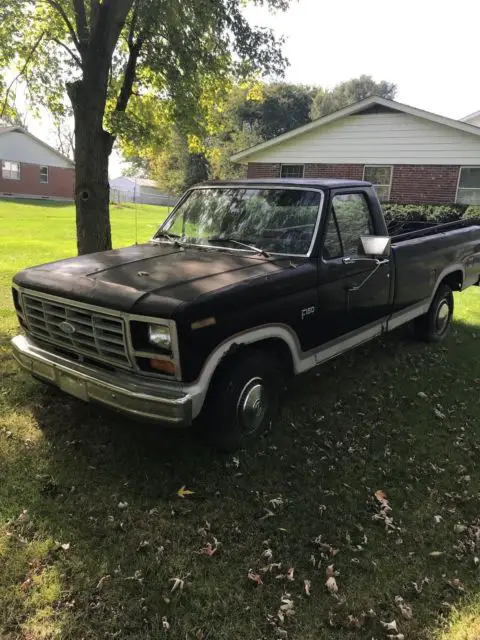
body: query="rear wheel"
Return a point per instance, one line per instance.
(243, 399)
(435, 324)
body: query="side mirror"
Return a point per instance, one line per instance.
(376, 246)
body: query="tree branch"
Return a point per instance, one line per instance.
(129, 76)
(81, 21)
(21, 72)
(94, 6)
(67, 48)
(58, 7)
(133, 24)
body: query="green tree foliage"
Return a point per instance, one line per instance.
(349, 92)
(283, 107)
(175, 167)
(230, 118)
(101, 52)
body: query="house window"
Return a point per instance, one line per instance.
(468, 191)
(292, 171)
(10, 170)
(44, 174)
(381, 178)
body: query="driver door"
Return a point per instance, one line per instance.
(353, 290)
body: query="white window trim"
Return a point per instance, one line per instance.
(293, 164)
(19, 171)
(382, 166)
(44, 166)
(466, 166)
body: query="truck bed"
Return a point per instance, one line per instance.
(400, 231)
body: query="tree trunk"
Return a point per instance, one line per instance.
(93, 146)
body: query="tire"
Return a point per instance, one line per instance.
(435, 324)
(243, 399)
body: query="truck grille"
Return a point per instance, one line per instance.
(80, 331)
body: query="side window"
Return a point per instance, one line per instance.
(353, 220)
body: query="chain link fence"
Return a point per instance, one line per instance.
(120, 196)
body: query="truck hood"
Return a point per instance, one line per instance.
(151, 279)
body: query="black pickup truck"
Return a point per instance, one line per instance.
(245, 284)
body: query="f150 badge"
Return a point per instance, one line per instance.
(307, 312)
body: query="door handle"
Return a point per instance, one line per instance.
(348, 260)
(378, 264)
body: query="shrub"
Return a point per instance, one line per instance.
(424, 212)
(473, 211)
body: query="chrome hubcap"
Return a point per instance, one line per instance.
(253, 405)
(443, 316)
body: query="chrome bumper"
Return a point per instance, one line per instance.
(161, 401)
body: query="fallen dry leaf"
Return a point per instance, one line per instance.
(208, 549)
(165, 623)
(389, 626)
(122, 505)
(307, 584)
(439, 414)
(178, 583)
(405, 609)
(290, 574)
(380, 495)
(255, 577)
(183, 491)
(331, 585)
(267, 554)
(436, 554)
(101, 582)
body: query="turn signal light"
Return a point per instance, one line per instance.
(163, 366)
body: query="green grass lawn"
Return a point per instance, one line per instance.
(93, 534)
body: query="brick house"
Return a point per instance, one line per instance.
(32, 169)
(410, 155)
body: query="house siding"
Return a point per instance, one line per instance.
(376, 138)
(21, 147)
(60, 182)
(420, 184)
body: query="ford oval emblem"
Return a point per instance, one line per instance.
(67, 327)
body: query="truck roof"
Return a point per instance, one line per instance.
(325, 183)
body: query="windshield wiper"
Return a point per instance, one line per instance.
(173, 237)
(252, 247)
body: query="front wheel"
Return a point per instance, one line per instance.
(434, 325)
(243, 399)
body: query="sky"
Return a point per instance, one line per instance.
(428, 48)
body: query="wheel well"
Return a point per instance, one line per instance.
(454, 280)
(275, 346)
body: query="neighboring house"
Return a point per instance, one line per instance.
(30, 168)
(410, 155)
(473, 118)
(124, 189)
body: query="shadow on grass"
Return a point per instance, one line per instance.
(51, 204)
(107, 487)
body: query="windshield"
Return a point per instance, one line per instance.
(271, 220)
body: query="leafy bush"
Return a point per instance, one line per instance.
(425, 212)
(473, 211)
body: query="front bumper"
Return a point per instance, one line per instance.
(161, 401)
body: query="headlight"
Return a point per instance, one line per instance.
(159, 337)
